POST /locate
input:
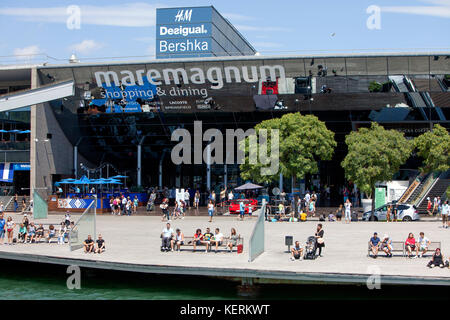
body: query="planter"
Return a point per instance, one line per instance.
(366, 204)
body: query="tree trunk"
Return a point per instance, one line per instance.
(373, 200)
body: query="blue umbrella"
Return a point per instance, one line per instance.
(4, 131)
(118, 177)
(14, 131)
(26, 131)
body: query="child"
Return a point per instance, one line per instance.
(22, 233)
(51, 233)
(61, 233)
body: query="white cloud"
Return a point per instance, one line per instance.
(27, 52)
(440, 9)
(86, 46)
(126, 15)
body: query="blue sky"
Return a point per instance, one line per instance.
(127, 28)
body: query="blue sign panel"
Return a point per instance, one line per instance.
(183, 46)
(183, 32)
(183, 15)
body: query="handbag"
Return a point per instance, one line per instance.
(320, 240)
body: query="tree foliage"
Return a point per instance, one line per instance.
(303, 140)
(374, 154)
(433, 147)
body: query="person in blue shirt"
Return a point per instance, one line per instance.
(375, 245)
(2, 228)
(241, 210)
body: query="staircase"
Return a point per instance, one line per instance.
(413, 186)
(9, 203)
(437, 189)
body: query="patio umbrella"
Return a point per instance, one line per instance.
(118, 177)
(248, 186)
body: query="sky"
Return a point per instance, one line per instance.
(39, 31)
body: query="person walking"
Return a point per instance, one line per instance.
(210, 210)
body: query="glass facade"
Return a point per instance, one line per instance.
(230, 93)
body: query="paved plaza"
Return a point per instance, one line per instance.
(136, 240)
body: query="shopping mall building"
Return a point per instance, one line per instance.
(119, 117)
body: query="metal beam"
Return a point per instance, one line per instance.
(36, 96)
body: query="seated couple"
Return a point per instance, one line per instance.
(89, 245)
(377, 244)
(208, 239)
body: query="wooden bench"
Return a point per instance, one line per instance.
(189, 242)
(399, 246)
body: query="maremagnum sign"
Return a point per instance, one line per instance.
(196, 32)
(216, 76)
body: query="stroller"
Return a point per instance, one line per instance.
(310, 248)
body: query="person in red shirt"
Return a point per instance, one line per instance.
(410, 244)
(198, 238)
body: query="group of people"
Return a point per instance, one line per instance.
(29, 232)
(415, 248)
(298, 251)
(123, 205)
(172, 241)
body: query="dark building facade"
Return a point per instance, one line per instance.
(123, 115)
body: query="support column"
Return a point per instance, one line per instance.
(75, 161)
(281, 182)
(225, 176)
(208, 167)
(139, 154)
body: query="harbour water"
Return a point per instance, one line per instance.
(31, 281)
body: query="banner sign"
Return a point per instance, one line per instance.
(74, 203)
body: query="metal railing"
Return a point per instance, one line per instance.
(428, 184)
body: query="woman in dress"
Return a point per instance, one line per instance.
(10, 229)
(319, 238)
(232, 242)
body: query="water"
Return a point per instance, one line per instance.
(31, 281)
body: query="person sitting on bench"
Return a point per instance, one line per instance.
(437, 260)
(386, 245)
(422, 245)
(207, 239)
(198, 237)
(166, 237)
(296, 251)
(178, 241)
(410, 244)
(375, 245)
(217, 239)
(88, 244)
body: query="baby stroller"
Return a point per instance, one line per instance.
(310, 248)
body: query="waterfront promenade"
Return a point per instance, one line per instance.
(133, 244)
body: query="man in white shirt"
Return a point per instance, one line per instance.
(187, 199)
(422, 245)
(166, 236)
(218, 238)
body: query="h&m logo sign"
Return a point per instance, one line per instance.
(183, 15)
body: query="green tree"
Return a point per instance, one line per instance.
(303, 140)
(433, 147)
(374, 154)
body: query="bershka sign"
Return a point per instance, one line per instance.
(214, 75)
